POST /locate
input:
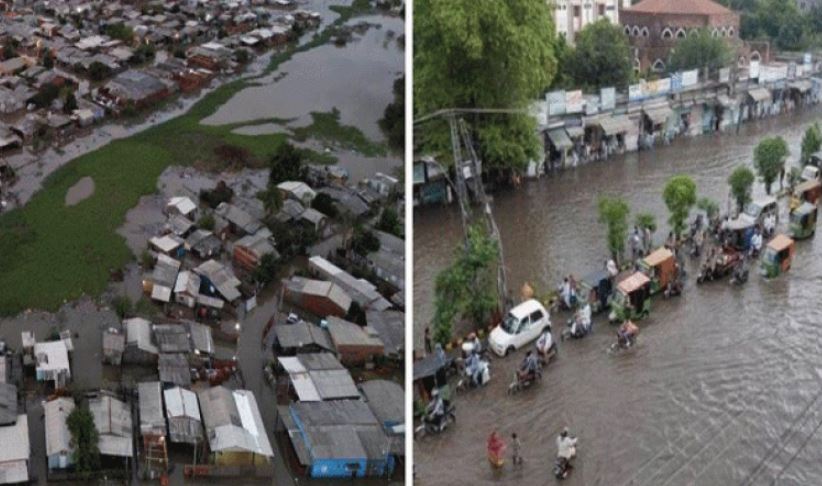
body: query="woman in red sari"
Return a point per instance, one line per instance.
(496, 450)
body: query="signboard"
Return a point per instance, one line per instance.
(807, 61)
(635, 92)
(607, 98)
(676, 82)
(792, 70)
(753, 70)
(592, 105)
(771, 73)
(690, 78)
(656, 88)
(574, 102)
(725, 75)
(556, 103)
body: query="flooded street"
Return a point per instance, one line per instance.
(725, 385)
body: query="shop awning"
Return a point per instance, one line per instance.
(725, 100)
(658, 114)
(575, 131)
(801, 85)
(617, 124)
(759, 94)
(560, 139)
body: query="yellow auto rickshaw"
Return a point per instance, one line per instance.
(803, 221)
(808, 191)
(778, 256)
(660, 267)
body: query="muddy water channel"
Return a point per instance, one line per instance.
(725, 385)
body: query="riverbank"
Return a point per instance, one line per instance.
(51, 253)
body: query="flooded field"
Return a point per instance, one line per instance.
(356, 79)
(725, 384)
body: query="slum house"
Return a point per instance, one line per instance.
(183, 412)
(235, 430)
(347, 199)
(337, 439)
(290, 210)
(202, 340)
(52, 363)
(152, 421)
(301, 337)
(430, 184)
(173, 368)
(315, 220)
(204, 244)
(212, 56)
(140, 348)
(12, 66)
(387, 263)
(114, 343)
(168, 245)
(314, 377)
(298, 191)
(250, 249)
(163, 278)
(386, 399)
(59, 450)
(355, 345)
(316, 296)
(360, 290)
(8, 404)
(16, 451)
(112, 419)
(179, 226)
(234, 220)
(219, 280)
(172, 338)
(187, 288)
(134, 88)
(181, 206)
(390, 327)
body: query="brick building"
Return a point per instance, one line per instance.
(654, 27)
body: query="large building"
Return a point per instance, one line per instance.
(654, 27)
(571, 16)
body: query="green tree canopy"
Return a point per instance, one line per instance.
(646, 220)
(601, 58)
(467, 288)
(613, 213)
(769, 159)
(390, 222)
(699, 52)
(266, 271)
(741, 181)
(710, 207)
(811, 142)
(392, 122)
(120, 31)
(485, 54)
(286, 165)
(679, 196)
(84, 440)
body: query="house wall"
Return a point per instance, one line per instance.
(59, 461)
(245, 258)
(238, 458)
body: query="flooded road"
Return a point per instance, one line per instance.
(725, 386)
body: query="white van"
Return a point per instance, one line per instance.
(523, 324)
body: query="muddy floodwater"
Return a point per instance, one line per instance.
(81, 190)
(725, 385)
(356, 79)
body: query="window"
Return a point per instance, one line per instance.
(715, 32)
(681, 34)
(658, 66)
(742, 61)
(667, 34)
(601, 10)
(536, 316)
(636, 31)
(628, 30)
(694, 32)
(755, 56)
(731, 32)
(577, 11)
(645, 32)
(637, 65)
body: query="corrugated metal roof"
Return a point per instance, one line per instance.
(334, 384)
(173, 368)
(345, 333)
(201, 337)
(15, 451)
(58, 437)
(112, 418)
(302, 334)
(172, 338)
(8, 403)
(233, 421)
(152, 420)
(386, 399)
(138, 333)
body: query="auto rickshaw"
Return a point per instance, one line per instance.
(778, 256)
(738, 234)
(808, 191)
(660, 267)
(803, 221)
(597, 288)
(632, 299)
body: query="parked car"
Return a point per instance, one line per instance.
(523, 324)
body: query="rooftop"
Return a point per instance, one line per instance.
(691, 7)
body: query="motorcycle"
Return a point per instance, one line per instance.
(562, 468)
(740, 275)
(520, 383)
(479, 379)
(582, 331)
(429, 426)
(546, 356)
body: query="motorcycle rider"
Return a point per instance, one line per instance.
(566, 447)
(626, 334)
(581, 324)
(435, 411)
(529, 368)
(545, 343)
(473, 368)
(756, 243)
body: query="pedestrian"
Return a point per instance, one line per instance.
(516, 458)
(428, 346)
(781, 177)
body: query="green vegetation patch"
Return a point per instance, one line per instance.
(326, 128)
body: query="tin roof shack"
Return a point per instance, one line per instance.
(168, 245)
(182, 206)
(163, 278)
(152, 421)
(235, 430)
(219, 280)
(114, 343)
(318, 377)
(235, 220)
(387, 400)
(52, 363)
(172, 338)
(249, 250)
(339, 439)
(173, 368)
(390, 326)
(112, 419)
(316, 296)
(298, 191)
(354, 344)
(139, 348)
(15, 452)
(301, 337)
(202, 340)
(135, 88)
(204, 244)
(362, 291)
(8, 404)
(59, 451)
(183, 412)
(211, 56)
(187, 288)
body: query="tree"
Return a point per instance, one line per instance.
(563, 53)
(48, 60)
(286, 165)
(811, 142)
(84, 440)
(242, 56)
(471, 54)
(220, 194)
(120, 31)
(272, 199)
(206, 222)
(710, 207)
(122, 306)
(390, 222)
(364, 242)
(613, 213)
(266, 271)
(98, 71)
(646, 220)
(741, 181)
(356, 314)
(679, 196)
(601, 58)
(143, 53)
(325, 204)
(467, 288)
(702, 51)
(769, 159)
(70, 104)
(45, 96)
(392, 122)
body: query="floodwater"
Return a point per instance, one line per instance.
(357, 79)
(81, 190)
(724, 386)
